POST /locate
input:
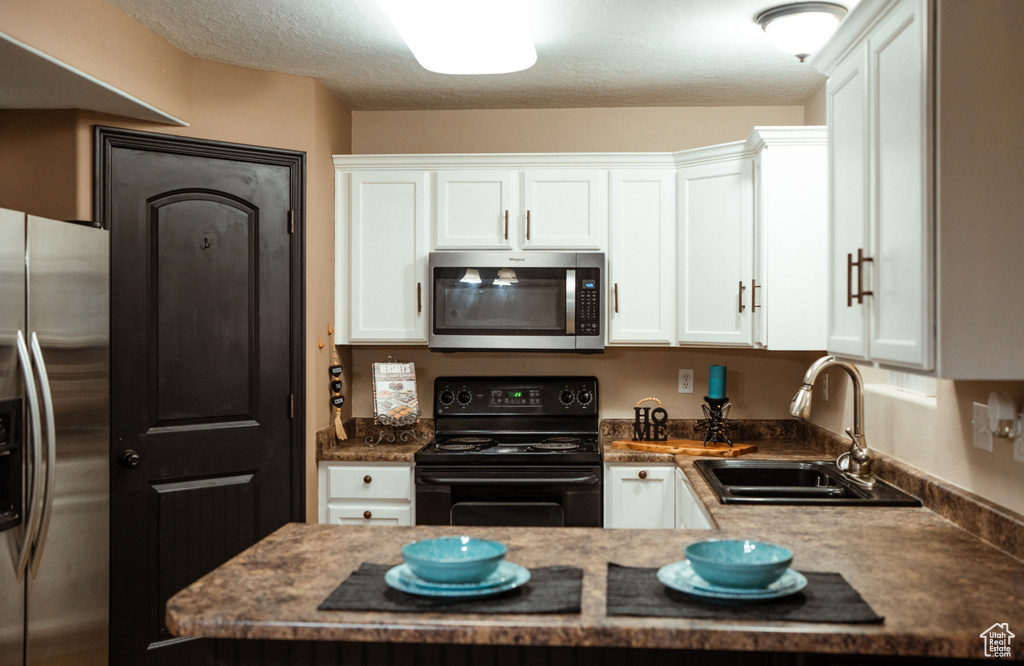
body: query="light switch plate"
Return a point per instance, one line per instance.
(979, 425)
(686, 381)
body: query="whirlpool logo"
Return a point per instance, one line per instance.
(517, 259)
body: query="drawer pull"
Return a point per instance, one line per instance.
(367, 479)
(643, 474)
(367, 515)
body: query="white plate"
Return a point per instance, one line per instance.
(680, 576)
(507, 576)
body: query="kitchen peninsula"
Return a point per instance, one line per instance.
(938, 586)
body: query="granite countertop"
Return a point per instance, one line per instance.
(937, 585)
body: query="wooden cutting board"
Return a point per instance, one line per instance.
(690, 447)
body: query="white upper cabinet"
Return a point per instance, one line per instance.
(534, 208)
(847, 115)
(789, 295)
(901, 318)
(563, 209)
(386, 220)
(474, 207)
(925, 183)
(641, 257)
(716, 256)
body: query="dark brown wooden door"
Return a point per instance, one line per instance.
(206, 312)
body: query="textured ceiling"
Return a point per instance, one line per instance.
(590, 53)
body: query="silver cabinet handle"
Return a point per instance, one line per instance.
(35, 491)
(754, 286)
(51, 455)
(742, 307)
(616, 298)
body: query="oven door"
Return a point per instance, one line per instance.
(517, 495)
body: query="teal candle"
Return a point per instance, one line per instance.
(716, 382)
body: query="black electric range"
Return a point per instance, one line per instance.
(512, 451)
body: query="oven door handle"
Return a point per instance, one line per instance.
(585, 480)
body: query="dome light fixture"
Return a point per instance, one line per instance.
(464, 36)
(801, 28)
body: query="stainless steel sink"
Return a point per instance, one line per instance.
(794, 482)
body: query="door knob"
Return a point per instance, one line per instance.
(130, 458)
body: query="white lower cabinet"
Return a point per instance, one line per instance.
(655, 496)
(359, 493)
(691, 514)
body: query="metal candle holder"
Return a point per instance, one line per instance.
(715, 425)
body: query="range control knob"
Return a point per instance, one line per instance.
(566, 397)
(447, 397)
(464, 397)
(585, 397)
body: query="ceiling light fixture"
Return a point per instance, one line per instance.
(464, 36)
(801, 28)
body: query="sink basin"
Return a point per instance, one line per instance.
(794, 482)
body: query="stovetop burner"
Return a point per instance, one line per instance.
(553, 447)
(557, 444)
(465, 444)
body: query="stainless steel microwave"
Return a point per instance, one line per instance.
(517, 301)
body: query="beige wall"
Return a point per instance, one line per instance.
(759, 384)
(561, 130)
(814, 110)
(46, 156)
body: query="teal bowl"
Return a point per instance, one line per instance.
(739, 563)
(460, 559)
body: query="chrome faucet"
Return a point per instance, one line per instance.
(855, 463)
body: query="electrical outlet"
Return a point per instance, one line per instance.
(979, 425)
(686, 381)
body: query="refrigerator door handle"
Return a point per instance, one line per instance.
(34, 439)
(51, 456)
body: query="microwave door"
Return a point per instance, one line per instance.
(501, 302)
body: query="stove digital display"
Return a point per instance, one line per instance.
(515, 398)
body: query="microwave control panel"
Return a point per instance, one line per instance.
(588, 301)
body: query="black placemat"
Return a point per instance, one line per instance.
(549, 590)
(827, 598)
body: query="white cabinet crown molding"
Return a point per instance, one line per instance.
(853, 29)
(810, 135)
(424, 162)
(710, 154)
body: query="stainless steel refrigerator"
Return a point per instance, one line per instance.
(54, 441)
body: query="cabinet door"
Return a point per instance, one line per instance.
(846, 95)
(389, 256)
(791, 251)
(640, 496)
(641, 257)
(691, 514)
(473, 209)
(716, 235)
(901, 308)
(563, 209)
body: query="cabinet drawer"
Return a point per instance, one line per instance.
(352, 513)
(369, 482)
